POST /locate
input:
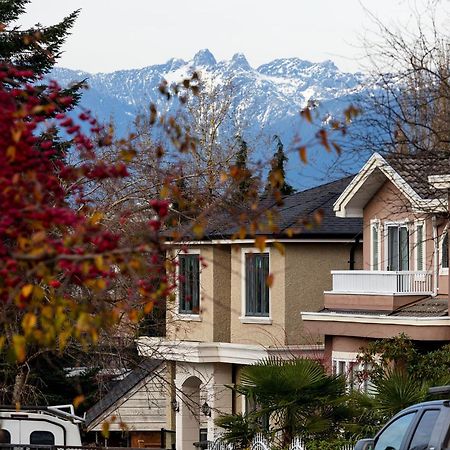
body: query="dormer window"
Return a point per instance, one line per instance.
(189, 283)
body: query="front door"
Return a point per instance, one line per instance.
(398, 247)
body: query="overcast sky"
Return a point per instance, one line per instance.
(123, 34)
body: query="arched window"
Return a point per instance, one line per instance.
(5, 437)
(444, 260)
(42, 438)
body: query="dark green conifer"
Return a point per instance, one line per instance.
(244, 179)
(36, 48)
(276, 178)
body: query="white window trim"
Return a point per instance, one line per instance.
(184, 316)
(423, 243)
(264, 320)
(442, 270)
(377, 223)
(399, 223)
(350, 361)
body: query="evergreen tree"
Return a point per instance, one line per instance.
(276, 178)
(244, 174)
(36, 48)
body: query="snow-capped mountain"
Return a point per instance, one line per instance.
(265, 100)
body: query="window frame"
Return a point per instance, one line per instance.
(408, 431)
(4, 433)
(258, 319)
(185, 315)
(375, 223)
(351, 366)
(422, 244)
(418, 423)
(443, 270)
(47, 433)
(399, 224)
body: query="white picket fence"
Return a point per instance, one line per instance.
(261, 443)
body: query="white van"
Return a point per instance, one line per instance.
(50, 425)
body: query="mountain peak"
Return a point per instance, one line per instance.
(239, 61)
(328, 64)
(204, 58)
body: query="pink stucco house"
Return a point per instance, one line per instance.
(403, 287)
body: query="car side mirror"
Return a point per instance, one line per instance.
(365, 444)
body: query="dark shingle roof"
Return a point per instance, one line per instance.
(415, 170)
(297, 213)
(351, 312)
(427, 307)
(147, 366)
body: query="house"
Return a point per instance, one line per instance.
(134, 410)
(403, 287)
(224, 316)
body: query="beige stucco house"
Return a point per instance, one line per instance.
(403, 287)
(224, 316)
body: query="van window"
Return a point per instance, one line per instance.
(5, 437)
(42, 438)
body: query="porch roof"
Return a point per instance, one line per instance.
(425, 307)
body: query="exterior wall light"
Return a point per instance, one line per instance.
(206, 409)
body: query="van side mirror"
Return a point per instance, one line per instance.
(365, 444)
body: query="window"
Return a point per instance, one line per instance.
(398, 247)
(251, 407)
(354, 374)
(203, 435)
(422, 435)
(5, 436)
(347, 369)
(256, 288)
(42, 438)
(444, 259)
(189, 284)
(420, 247)
(394, 434)
(375, 243)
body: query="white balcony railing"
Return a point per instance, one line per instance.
(382, 282)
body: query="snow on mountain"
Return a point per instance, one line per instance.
(265, 100)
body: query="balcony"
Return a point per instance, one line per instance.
(382, 282)
(377, 290)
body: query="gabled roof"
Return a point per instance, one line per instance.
(409, 173)
(117, 394)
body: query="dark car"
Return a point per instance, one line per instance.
(425, 426)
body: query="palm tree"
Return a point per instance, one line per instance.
(297, 396)
(396, 390)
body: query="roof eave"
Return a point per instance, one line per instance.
(343, 207)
